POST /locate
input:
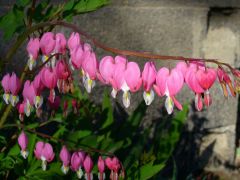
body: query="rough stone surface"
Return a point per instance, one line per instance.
(191, 28)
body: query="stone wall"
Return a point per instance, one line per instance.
(191, 28)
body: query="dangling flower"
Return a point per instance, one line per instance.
(5, 84)
(106, 69)
(49, 79)
(29, 96)
(47, 45)
(63, 74)
(20, 108)
(148, 77)
(169, 84)
(38, 87)
(132, 82)
(23, 143)
(65, 157)
(88, 166)
(14, 87)
(117, 79)
(60, 46)
(77, 57)
(44, 152)
(77, 162)
(89, 67)
(74, 41)
(114, 165)
(33, 49)
(101, 168)
(225, 82)
(193, 84)
(206, 79)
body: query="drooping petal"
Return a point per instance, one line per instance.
(47, 43)
(148, 96)
(206, 78)
(106, 68)
(14, 84)
(88, 164)
(126, 99)
(38, 149)
(161, 80)
(61, 43)
(169, 104)
(175, 82)
(47, 152)
(132, 76)
(198, 102)
(149, 75)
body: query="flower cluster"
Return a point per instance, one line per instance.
(61, 57)
(75, 161)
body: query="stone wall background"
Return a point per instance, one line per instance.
(191, 28)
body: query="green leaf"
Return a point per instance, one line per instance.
(107, 107)
(32, 125)
(14, 151)
(89, 5)
(69, 5)
(147, 171)
(23, 3)
(12, 22)
(31, 145)
(75, 136)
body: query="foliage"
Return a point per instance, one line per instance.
(95, 127)
(15, 20)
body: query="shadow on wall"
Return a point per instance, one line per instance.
(186, 160)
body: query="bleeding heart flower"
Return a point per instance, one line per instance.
(47, 45)
(23, 143)
(77, 57)
(101, 168)
(169, 84)
(20, 108)
(77, 162)
(44, 152)
(33, 50)
(61, 43)
(14, 87)
(117, 79)
(29, 96)
(106, 69)
(225, 82)
(5, 84)
(148, 77)
(193, 84)
(49, 79)
(206, 79)
(89, 68)
(88, 166)
(74, 41)
(132, 81)
(114, 165)
(65, 157)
